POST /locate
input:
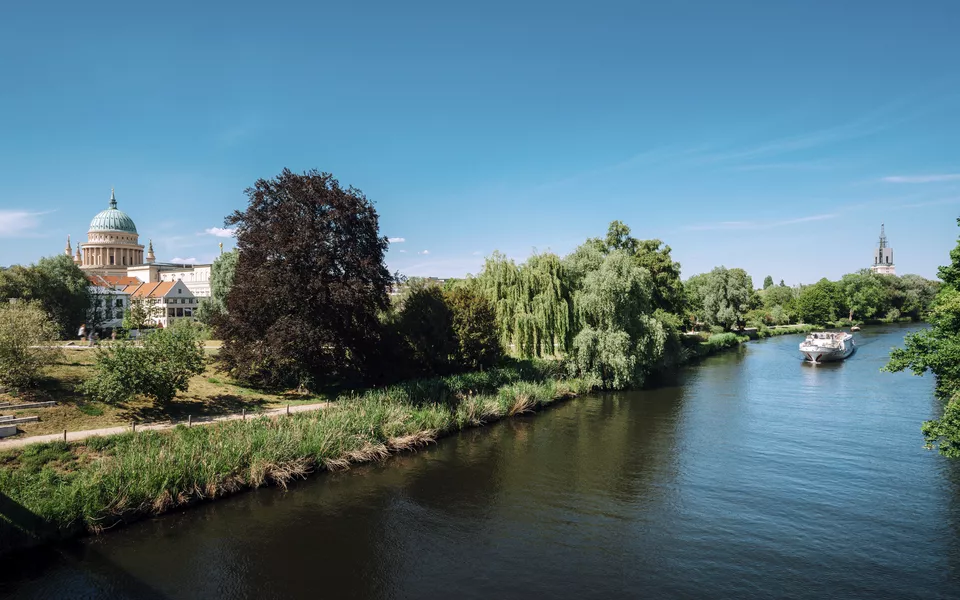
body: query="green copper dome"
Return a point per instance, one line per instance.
(113, 219)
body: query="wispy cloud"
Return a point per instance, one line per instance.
(922, 178)
(870, 123)
(424, 252)
(220, 231)
(787, 166)
(396, 240)
(477, 253)
(940, 202)
(759, 224)
(652, 156)
(19, 223)
(402, 251)
(190, 260)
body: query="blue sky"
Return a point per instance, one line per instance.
(772, 136)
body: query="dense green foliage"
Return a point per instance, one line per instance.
(724, 296)
(856, 297)
(609, 307)
(158, 369)
(619, 340)
(57, 284)
(532, 301)
(25, 332)
(434, 330)
(937, 350)
(425, 324)
(475, 328)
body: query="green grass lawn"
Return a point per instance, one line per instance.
(210, 394)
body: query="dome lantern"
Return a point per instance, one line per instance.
(113, 219)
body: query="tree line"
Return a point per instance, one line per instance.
(303, 300)
(726, 298)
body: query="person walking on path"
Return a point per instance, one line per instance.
(93, 337)
(83, 331)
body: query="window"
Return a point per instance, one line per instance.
(179, 312)
(171, 312)
(179, 291)
(119, 302)
(188, 312)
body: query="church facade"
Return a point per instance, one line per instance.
(113, 252)
(883, 256)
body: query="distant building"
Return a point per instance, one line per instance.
(883, 256)
(169, 300)
(113, 250)
(108, 300)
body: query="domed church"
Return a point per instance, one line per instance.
(113, 253)
(113, 243)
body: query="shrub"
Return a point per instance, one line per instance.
(425, 323)
(475, 328)
(158, 369)
(25, 329)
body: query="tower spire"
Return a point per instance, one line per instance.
(883, 237)
(68, 250)
(113, 199)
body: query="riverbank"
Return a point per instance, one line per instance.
(56, 490)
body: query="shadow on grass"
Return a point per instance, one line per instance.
(212, 406)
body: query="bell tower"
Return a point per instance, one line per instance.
(883, 256)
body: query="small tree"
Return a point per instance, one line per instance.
(727, 295)
(425, 323)
(221, 280)
(475, 328)
(141, 313)
(25, 331)
(158, 369)
(102, 309)
(767, 281)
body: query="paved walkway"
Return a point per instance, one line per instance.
(73, 436)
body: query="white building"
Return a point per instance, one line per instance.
(168, 301)
(196, 277)
(883, 256)
(109, 300)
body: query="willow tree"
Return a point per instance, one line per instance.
(620, 338)
(532, 301)
(666, 288)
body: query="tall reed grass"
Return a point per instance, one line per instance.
(103, 481)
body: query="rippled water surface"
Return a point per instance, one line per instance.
(750, 476)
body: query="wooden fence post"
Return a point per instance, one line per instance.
(189, 420)
(134, 426)
(243, 414)
(288, 409)
(64, 435)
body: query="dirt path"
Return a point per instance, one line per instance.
(73, 436)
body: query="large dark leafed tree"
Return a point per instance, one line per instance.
(309, 284)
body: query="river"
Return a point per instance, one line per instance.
(749, 475)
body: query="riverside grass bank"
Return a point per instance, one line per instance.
(57, 490)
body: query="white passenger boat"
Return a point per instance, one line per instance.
(825, 346)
